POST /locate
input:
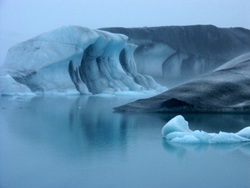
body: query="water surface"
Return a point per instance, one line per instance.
(78, 141)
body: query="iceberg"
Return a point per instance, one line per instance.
(8, 86)
(184, 52)
(226, 89)
(74, 59)
(177, 131)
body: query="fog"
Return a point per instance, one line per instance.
(21, 20)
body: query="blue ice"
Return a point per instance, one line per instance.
(177, 131)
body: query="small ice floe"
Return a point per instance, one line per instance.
(177, 131)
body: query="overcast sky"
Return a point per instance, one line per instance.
(23, 19)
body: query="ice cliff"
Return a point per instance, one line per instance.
(183, 52)
(227, 89)
(73, 59)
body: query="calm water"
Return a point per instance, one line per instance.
(79, 142)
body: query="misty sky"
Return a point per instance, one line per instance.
(23, 19)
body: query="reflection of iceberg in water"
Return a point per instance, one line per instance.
(77, 126)
(181, 149)
(99, 126)
(72, 125)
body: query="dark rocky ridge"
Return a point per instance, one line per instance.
(227, 89)
(184, 51)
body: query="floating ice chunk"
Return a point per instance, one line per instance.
(177, 131)
(177, 124)
(244, 133)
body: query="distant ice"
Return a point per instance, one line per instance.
(177, 131)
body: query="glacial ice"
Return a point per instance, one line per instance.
(224, 90)
(177, 131)
(8, 86)
(184, 52)
(76, 59)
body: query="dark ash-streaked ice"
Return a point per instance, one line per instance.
(227, 89)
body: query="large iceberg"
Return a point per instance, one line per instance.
(227, 89)
(184, 52)
(75, 59)
(177, 131)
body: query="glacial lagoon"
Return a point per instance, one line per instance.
(79, 141)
